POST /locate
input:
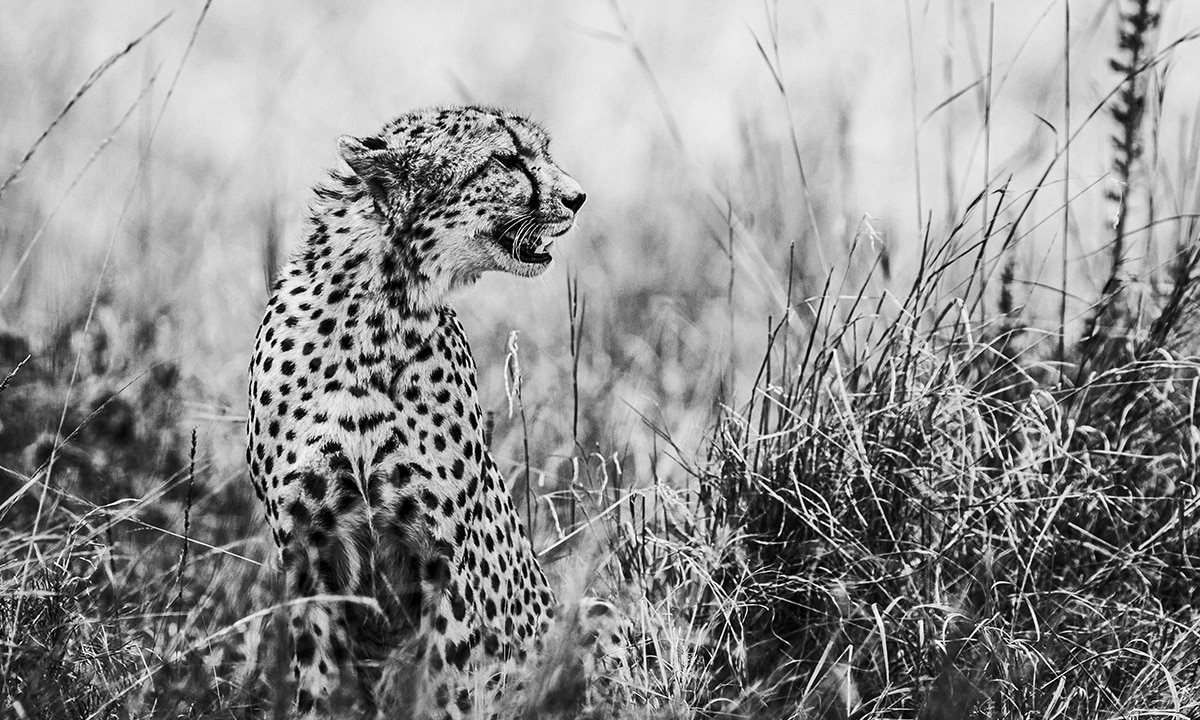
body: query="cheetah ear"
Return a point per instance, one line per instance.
(373, 161)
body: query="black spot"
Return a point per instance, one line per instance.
(406, 511)
(325, 518)
(458, 607)
(326, 326)
(305, 647)
(457, 654)
(437, 571)
(298, 512)
(338, 462)
(491, 645)
(313, 484)
(463, 701)
(368, 423)
(598, 610)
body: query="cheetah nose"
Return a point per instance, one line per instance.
(574, 202)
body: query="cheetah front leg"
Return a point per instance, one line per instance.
(415, 580)
(325, 553)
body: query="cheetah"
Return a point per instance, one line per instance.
(365, 440)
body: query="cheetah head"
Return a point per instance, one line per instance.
(473, 189)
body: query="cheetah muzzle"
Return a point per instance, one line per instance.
(365, 438)
(528, 239)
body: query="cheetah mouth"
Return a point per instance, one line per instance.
(529, 249)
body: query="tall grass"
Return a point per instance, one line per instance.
(826, 466)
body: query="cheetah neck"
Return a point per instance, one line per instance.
(362, 266)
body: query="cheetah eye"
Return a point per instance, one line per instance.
(508, 161)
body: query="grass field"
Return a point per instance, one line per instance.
(866, 387)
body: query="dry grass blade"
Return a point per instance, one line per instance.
(13, 373)
(91, 80)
